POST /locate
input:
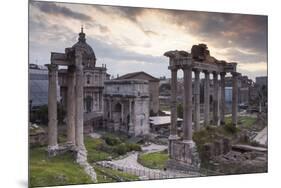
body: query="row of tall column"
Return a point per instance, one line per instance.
(218, 101)
(74, 104)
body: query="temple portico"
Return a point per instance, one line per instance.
(182, 151)
(76, 58)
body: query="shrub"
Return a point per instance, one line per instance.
(231, 128)
(111, 140)
(121, 149)
(133, 147)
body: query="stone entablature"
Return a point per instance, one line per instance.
(126, 88)
(93, 77)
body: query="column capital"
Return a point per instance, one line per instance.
(235, 74)
(196, 70)
(215, 73)
(222, 74)
(206, 72)
(173, 68)
(52, 67)
(186, 67)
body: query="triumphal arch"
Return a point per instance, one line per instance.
(182, 150)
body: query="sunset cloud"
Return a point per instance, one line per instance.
(127, 38)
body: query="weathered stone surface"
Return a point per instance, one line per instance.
(218, 147)
(37, 136)
(81, 159)
(127, 106)
(226, 145)
(208, 151)
(200, 52)
(183, 155)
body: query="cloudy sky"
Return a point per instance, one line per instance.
(135, 39)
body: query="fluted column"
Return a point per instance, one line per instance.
(234, 98)
(207, 99)
(215, 99)
(71, 105)
(79, 100)
(197, 99)
(222, 108)
(173, 129)
(187, 105)
(52, 108)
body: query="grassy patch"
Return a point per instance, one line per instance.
(156, 160)
(59, 170)
(105, 175)
(247, 122)
(243, 121)
(93, 147)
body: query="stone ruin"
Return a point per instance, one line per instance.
(182, 151)
(75, 59)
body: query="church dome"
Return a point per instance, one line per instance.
(89, 57)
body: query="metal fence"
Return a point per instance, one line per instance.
(145, 174)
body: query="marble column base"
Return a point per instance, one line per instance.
(52, 150)
(183, 155)
(173, 137)
(81, 155)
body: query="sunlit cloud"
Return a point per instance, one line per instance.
(134, 39)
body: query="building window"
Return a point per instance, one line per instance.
(88, 79)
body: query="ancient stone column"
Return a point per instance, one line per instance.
(110, 109)
(100, 101)
(207, 99)
(122, 112)
(187, 105)
(131, 128)
(52, 109)
(79, 100)
(197, 99)
(70, 116)
(222, 108)
(215, 99)
(173, 129)
(234, 98)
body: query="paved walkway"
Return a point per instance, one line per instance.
(261, 137)
(153, 148)
(130, 164)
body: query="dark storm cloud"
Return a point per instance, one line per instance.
(225, 30)
(52, 8)
(221, 30)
